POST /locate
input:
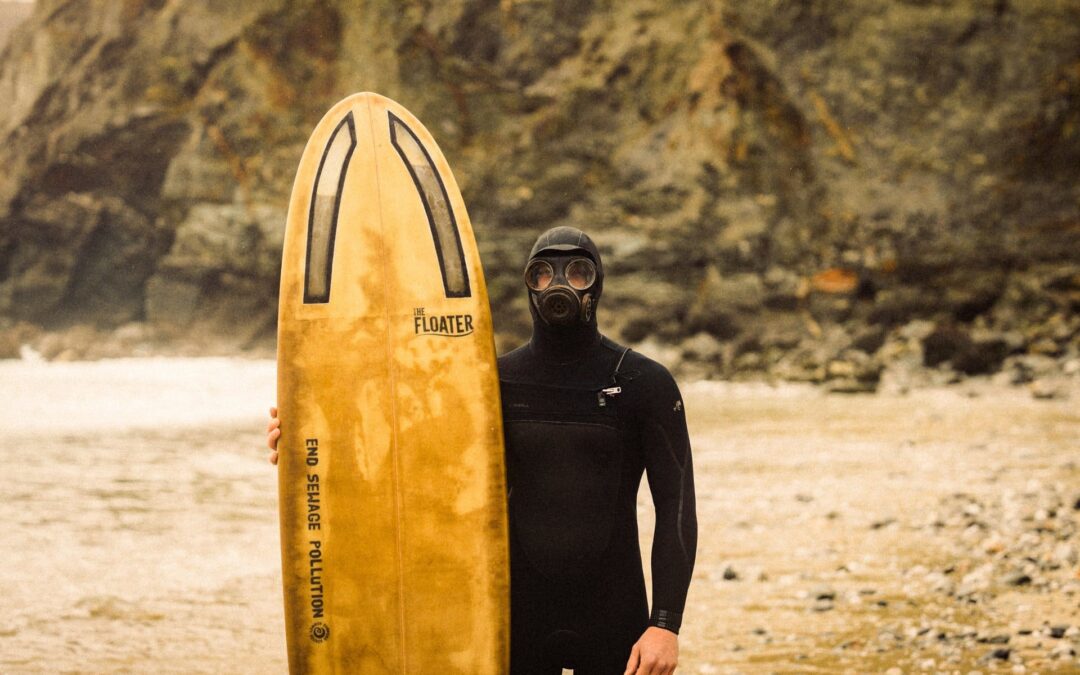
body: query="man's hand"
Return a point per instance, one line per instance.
(655, 653)
(273, 430)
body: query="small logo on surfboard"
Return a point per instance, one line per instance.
(445, 325)
(319, 632)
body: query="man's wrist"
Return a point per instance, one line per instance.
(668, 620)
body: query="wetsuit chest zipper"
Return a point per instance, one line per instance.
(603, 394)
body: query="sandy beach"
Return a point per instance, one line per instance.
(934, 531)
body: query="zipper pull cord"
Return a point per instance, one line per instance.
(601, 396)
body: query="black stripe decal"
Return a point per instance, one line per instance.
(440, 215)
(323, 213)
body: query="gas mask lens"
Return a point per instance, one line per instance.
(580, 273)
(538, 275)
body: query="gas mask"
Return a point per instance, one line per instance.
(562, 288)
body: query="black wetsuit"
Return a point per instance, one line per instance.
(584, 417)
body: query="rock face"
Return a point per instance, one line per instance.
(11, 15)
(797, 180)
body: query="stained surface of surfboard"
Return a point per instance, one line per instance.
(391, 478)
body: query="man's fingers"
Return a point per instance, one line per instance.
(635, 659)
(273, 431)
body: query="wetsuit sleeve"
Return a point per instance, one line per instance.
(670, 472)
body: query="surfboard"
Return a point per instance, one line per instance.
(392, 495)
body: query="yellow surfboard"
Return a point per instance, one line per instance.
(392, 485)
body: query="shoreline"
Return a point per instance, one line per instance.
(1062, 383)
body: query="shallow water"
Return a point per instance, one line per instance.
(142, 532)
(141, 518)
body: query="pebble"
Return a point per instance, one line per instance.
(823, 593)
(1018, 579)
(994, 544)
(1048, 390)
(1062, 651)
(1065, 553)
(975, 581)
(1000, 639)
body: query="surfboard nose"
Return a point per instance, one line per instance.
(371, 165)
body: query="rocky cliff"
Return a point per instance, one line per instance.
(807, 188)
(11, 15)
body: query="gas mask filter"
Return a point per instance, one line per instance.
(559, 288)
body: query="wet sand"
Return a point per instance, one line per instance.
(838, 516)
(856, 533)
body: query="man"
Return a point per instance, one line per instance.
(584, 417)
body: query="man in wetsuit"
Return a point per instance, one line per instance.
(584, 417)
